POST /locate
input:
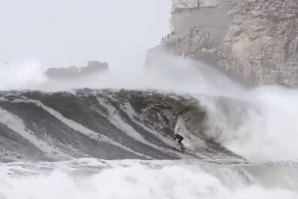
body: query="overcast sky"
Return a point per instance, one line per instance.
(71, 32)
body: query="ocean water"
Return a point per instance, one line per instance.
(112, 137)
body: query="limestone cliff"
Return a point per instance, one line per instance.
(252, 40)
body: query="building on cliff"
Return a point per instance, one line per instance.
(255, 41)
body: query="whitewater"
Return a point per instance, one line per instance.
(111, 136)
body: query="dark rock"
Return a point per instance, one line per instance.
(75, 72)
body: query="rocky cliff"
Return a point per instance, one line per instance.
(75, 72)
(255, 41)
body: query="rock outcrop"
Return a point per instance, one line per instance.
(255, 41)
(75, 72)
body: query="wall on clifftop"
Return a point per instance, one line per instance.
(252, 40)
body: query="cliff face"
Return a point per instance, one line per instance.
(252, 40)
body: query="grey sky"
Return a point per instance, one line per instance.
(66, 32)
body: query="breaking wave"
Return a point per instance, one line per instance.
(111, 143)
(105, 124)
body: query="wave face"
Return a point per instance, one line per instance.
(119, 144)
(104, 124)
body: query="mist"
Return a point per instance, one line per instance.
(62, 33)
(21, 75)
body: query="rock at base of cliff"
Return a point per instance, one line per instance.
(73, 72)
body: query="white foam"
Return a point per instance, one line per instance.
(263, 129)
(134, 181)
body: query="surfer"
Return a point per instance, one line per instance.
(179, 138)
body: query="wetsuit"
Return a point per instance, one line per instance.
(179, 138)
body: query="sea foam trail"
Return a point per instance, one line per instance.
(44, 144)
(80, 128)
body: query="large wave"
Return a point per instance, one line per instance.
(237, 139)
(106, 124)
(258, 124)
